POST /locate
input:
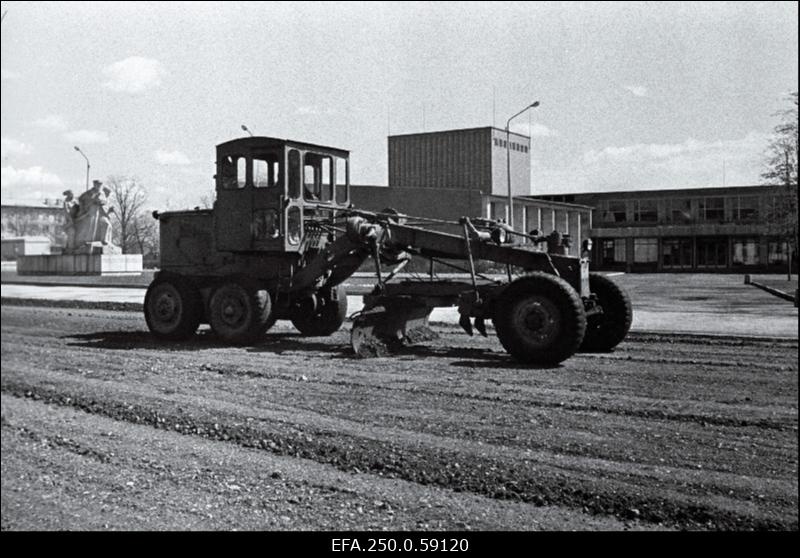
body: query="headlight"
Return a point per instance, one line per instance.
(499, 235)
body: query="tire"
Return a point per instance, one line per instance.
(239, 312)
(605, 331)
(328, 317)
(172, 308)
(540, 319)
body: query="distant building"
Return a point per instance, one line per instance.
(45, 219)
(13, 247)
(697, 229)
(449, 174)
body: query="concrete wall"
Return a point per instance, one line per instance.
(447, 205)
(520, 158)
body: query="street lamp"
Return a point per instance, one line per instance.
(508, 163)
(246, 129)
(78, 149)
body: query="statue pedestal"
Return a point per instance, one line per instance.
(80, 264)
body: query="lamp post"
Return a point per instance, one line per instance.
(508, 163)
(246, 129)
(78, 149)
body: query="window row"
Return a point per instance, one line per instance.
(514, 146)
(317, 177)
(679, 210)
(686, 253)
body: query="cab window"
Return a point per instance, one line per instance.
(266, 170)
(341, 180)
(317, 177)
(294, 173)
(233, 172)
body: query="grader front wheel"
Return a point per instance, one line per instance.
(239, 312)
(540, 319)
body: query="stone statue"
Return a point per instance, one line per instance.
(71, 212)
(89, 222)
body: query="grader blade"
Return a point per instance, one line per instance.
(384, 329)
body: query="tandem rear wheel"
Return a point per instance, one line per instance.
(172, 308)
(239, 311)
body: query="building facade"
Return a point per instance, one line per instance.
(698, 229)
(46, 219)
(454, 173)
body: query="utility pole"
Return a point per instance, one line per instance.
(508, 163)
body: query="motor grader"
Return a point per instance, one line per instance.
(283, 237)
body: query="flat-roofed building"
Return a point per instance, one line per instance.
(453, 173)
(694, 229)
(31, 219)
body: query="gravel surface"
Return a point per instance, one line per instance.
(105, 428)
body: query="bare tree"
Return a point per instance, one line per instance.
(781, 169)
(129, 197)
(207, 200)
(145, 233)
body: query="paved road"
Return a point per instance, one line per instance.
(774, 320)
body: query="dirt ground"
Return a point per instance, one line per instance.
(104, 428)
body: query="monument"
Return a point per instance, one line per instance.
(89, 248)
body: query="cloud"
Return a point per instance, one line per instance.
(86, 136)
(9, 74)
(313, 110)
(637, 90)
(32, 176)
(133, 75)
(171, 157)
(534, 130)
(52, 122)
(11, 146)
(660, 153)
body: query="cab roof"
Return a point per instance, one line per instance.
(255, 142)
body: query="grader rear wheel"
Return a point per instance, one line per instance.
(239, 312)
(172, 308)
(323, 316)
(605, 331)
(540, 319)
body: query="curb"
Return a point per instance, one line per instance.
(772, 291)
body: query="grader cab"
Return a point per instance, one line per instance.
(282, 238)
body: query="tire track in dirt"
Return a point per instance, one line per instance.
(491, 477)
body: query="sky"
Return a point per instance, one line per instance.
(632, 95)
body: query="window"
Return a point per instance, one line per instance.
(777, 251)
(745, 208)
(317, 177)
(233, 172)
(614, 212)
(680, 211)
(266, 171)
(498, 211)
(613, 251)
(645, 250)
(341, 180)
(712, 209)
(326, 178)
(676, 253)
(712, 252)
(745, 251)
(645, 211)
(294, 173)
